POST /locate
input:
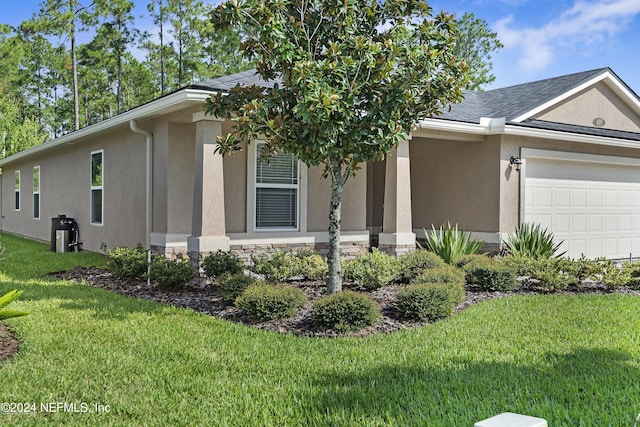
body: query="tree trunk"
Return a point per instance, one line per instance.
(74, 67)
(335, 212)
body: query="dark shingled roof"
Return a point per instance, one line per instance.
(513, 101)
(508, 102)
(225, 83)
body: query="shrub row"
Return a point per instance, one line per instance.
(132, 263)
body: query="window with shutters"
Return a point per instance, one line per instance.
(276, 191)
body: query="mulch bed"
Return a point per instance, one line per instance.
(204, 298)
(9, 344)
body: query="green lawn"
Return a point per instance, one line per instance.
(574, 360)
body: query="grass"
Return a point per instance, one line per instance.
(572, 359)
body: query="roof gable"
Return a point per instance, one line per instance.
(529, 100)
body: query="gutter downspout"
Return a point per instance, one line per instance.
(149, 179)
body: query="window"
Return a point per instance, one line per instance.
(276, 192)
(17, 190)
(36, 192)
(97, 196)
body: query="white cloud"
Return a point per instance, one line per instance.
(587, 25)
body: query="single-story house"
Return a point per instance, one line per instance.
(563, 152)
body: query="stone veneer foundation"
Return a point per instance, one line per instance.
(244, 251)
(348, 249)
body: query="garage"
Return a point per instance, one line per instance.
(591, 202)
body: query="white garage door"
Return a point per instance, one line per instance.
(593, 207)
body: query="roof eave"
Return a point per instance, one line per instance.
(492, 127)
(164, 105)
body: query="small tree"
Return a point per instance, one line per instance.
(355, 77)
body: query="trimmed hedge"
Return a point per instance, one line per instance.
(371, 271)
(231, 286)
(218, 263)
(345, 311)
(425, 302)
(127, 263)
(492, 276)
(267, 302)
(415, 262)
(169, 273)
(446, 275)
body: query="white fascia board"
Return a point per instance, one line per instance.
(610, 79)
(487, 126)
(162, 105)
(570, 137)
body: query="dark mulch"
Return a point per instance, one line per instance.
(204, 298)
(9, 344)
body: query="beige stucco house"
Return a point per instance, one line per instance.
(151, 175)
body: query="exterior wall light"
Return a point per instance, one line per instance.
(515, 161)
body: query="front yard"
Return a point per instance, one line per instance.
(572, 359)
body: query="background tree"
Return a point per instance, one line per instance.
(17, 133)
(475, 45)
(65, 18)
(356, 76)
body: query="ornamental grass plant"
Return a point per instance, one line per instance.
(449, 243)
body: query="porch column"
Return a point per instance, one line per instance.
(208, 221)
(397, 236)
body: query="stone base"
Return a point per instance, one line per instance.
(348, 249)
(397, 250)
(171, 252)
(396, 243)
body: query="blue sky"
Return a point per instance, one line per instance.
(542, 38)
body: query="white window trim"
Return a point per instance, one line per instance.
(17, 190)
(37, 192)
(301, 213)
(97, 187)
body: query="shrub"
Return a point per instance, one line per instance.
(267, 302)
(552, 274)
(168, 273)
(492, 276)
(615, 275)
(465, 262)
(345, 311)
(450, 244)
(425, 302)
(127, 263)
(523, 265)
(584, 268)
(220, 262)
(447, 275)
(373, 270)
(231, 286)
(275, 267)
(311, 265)
(634, 273)
(415, 262)
(532, 241)
(7, 299)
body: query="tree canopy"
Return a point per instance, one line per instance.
(77, 62)
(355, 77)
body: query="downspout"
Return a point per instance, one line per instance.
(149, 179)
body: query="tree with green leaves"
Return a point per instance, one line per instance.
(17, 133)
(475, 45)
(65, 18)
(355, 77)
